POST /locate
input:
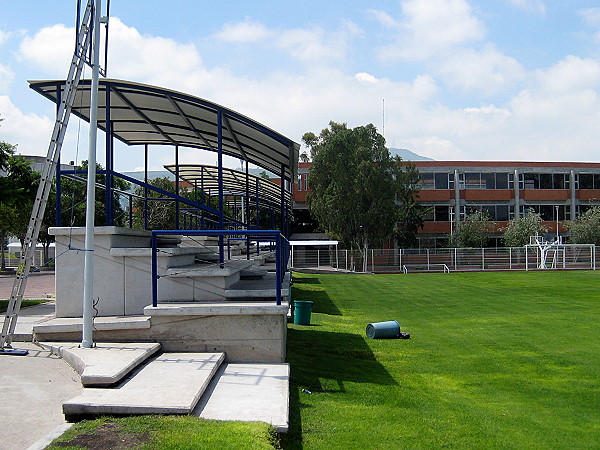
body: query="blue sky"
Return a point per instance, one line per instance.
(460, 79)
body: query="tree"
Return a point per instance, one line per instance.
(520, 229)
(160, 213)
(355, 183)
(585, 229)
(412, 213)
(474, 231)
(18, 188)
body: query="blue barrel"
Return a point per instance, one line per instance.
(302, 310)
(383, 330)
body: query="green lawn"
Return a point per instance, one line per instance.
(24, 304)
(496, 360)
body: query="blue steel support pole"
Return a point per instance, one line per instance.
(278, 270)
(154, 272)
(282, 200)
(247, 218)
(220, 169)
(145, 186)
(177, 187)
(203, 196)
(57, 217)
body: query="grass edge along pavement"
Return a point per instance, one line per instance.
(166, 432)
(496, 360)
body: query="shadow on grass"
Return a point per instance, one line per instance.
(322, 303)
(324, 362)
(307, 280)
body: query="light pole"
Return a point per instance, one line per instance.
(556, 222)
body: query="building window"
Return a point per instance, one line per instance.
(589, 181)
(476, 180)
(427, 180)
(499, 213)
(303, 182)
(444, 180)
(548, 212)
(546, 180)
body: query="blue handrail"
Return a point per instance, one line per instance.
(281, 252)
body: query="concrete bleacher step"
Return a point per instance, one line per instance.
(209, 270)
(104, 364)
(172, 383)
(263, 287)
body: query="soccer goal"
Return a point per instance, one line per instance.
(545, 253)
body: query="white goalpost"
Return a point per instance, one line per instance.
(554, 254)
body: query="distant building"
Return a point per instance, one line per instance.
(505, 190)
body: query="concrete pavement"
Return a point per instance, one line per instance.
(40, 285)
(33, 389)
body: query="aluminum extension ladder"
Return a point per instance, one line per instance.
(83, 45)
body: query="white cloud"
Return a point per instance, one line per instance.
(366, 77)
(536, 6)
(246, 31)
(6, 77)
(4, 36)
(591, 17)
(487, 70)
(51, 48)
(430, 27)
(316, 44)
(29, 131)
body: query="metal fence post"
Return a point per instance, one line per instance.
(372, 260)
(482, 258)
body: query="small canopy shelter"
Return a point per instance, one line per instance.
(140, 114)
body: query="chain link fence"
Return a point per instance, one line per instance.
(574, 256)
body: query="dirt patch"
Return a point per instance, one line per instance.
(108, 435)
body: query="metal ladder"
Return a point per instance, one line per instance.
(82, 47)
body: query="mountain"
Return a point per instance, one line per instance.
(407, 155)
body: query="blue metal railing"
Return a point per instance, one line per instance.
(282, 251)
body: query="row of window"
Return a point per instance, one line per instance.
(500, 213)
(501, 180)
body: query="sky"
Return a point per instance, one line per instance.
(447, 79)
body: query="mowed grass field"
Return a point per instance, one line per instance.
(496, 360)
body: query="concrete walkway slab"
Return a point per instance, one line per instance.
(170, 384)
(28, 317)
(33, 389)
(248, 392)
(106, 363)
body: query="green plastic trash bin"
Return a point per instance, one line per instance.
(302, 310)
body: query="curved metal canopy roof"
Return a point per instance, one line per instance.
(234, 183)
(143, 114)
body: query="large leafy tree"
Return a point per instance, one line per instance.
(520, 229)
(355, 185)
(474, 231)
(585, 229)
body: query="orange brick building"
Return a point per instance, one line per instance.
(505, 190)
